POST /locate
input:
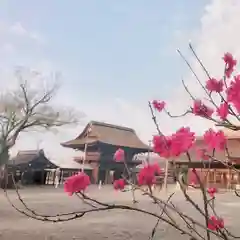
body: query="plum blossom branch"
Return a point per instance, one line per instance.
(169, 206)
(199, 61)
(209, 77)
(213, 85)
(177, 116)
(187, 223)
(206, 215)
(153, 232)
(187, 90)
(162, 148)
(104, 207)
(154, 119)
(194, 73)
(62, 217)
(84, 201)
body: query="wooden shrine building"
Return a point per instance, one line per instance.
(216, 173)
(29, 167)
(99, 141)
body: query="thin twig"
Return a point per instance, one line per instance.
(206, 215)
(162, 212)
(187, 223)
(154, 119)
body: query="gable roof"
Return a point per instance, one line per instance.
(25, 157)
(106, 133)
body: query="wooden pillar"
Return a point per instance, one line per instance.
(235, 179)
(95, 173)
(229, 179)
(51, 177)
(215, 177)
(106, 176)
(222, 180)
(54, 174)
(202, 178)
(207, 182)
(166, 175)
(43, 177)
(47, 178)
(61, 177)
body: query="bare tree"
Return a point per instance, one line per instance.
(26, 108)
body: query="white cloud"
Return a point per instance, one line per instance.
(219, 33)
(39, 38)
(8, 48)
(19, 30)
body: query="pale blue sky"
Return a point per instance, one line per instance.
(110, 48)
(114, 56)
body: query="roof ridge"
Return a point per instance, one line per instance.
(26, 152)
(111, 126)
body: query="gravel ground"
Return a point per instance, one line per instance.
(114, 225)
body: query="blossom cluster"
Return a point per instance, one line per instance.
(227, 88)
(183, 140)
(76, 183)
(215, 223)
(146, 176)
(180, 142)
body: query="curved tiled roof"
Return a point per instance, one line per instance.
(26, 157)
(23, 157)
(106, 133)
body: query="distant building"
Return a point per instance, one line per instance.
(100, 141)
(29, 167)
(216, 173)
(68, 167)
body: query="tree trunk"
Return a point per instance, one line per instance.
(3, 177)
(4, 158)
(4, 155)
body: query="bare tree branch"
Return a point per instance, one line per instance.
(26, 108)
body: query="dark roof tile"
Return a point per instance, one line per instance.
(109, 134)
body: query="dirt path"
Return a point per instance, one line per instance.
(113, 225)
